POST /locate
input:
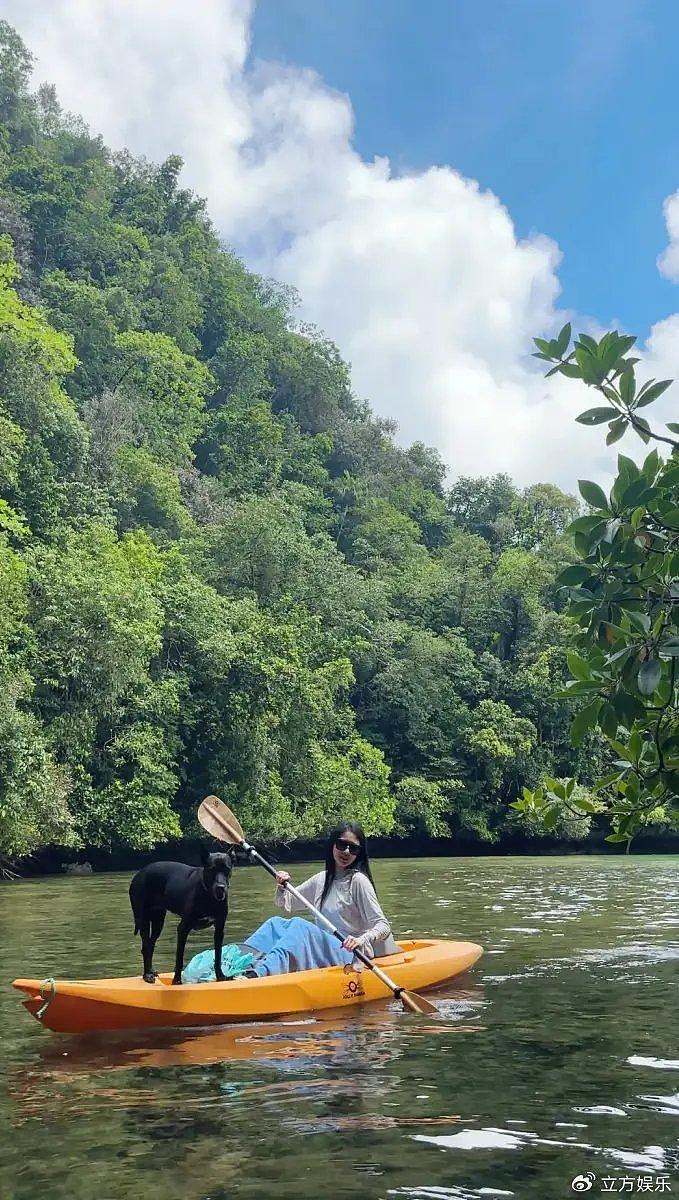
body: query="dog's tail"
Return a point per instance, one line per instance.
(137, 913)
(136, 903)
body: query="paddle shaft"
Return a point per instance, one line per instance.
(257, 857)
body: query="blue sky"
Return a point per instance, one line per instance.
(567, 112)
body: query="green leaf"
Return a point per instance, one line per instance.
(635, 746)
(581, 687)
(583, 524)
(585, 804)
(544, 348)
(596, 416)
(593, 494)
(550, 817)
(615, 430)
(628, 708)
(627, 385)
(591, 369)
(670, 648)
(627, 468)
(658, 624)
(637, 517)
(642, 428)
(650, 392)
(640, 619)
(649, 676)
(636, 491)
(573, 575)
(563, 339)
(570, 370)
(606, 781)
(619, 654)
(673, 426)
(608, 720)
(608, 351)
(613, 632)
(584, 720)
(651, 464)
(577, 666)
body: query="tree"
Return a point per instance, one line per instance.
(624, 601)
(96, 625)
(421, 806)
(44, 441)
(518, 584)
(168, 389)
(33, 789)
(15, 67)
(92, 317)
(484, 507)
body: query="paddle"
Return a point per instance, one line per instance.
(218, 820)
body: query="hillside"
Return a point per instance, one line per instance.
(218, 570)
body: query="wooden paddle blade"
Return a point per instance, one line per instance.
(218, 820)
(417, 1004)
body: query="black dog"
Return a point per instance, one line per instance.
(198, 895)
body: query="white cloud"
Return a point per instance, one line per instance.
(419, 278)
(668, 261)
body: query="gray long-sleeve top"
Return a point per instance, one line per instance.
(351, 905)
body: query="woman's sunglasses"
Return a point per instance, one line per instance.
(343, 845)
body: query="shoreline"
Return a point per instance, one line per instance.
(54, 860)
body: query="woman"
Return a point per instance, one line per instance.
(345, 893)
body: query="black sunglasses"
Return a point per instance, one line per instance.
(342, 844)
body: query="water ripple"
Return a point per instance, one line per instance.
(659, 1064)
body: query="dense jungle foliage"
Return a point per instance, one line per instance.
(219, 572)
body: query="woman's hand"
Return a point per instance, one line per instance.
(351, 943)
(282, 878)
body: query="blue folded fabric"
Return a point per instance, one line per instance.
(293, 944)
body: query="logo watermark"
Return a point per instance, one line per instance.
(583, 1183)
(621, 1183)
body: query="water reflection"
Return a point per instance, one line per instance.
(74, 1070)
(547, 1062)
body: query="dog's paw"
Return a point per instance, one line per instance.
(220, 978)
(177, 979)
(150, 977)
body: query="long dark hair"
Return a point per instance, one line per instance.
(361, 862)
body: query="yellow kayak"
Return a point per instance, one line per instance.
(77, 1006)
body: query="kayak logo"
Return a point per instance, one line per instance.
(353, 990)
(583, 1183)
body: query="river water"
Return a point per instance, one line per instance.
(556, 1057)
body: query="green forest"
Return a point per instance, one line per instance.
(219, 571)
